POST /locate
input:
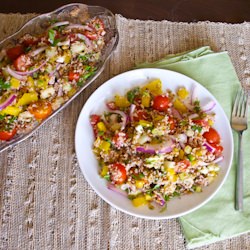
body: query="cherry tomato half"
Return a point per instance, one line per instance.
(118, 173)
(218, 149)
(7, 135)
(161, 103)
(201, 122)
(212, 136)
(73, 76)
(22, 62)
(14, 52)
(94, 119)
(40, 109)
(140, 115)
(171, 121)
(90, 35)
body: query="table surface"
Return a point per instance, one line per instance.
(230, 11)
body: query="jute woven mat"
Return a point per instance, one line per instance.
(46, 203)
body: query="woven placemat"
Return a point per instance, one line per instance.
(45, 202)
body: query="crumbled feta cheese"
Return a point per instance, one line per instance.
(77, 47)
(25, 116)
(66, 87)
(51, 52)
(46, 93)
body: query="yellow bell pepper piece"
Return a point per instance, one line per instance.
(172, 178)
(180, 106)
(148, 197)
(27, 98)
(181, 154)
(30, 82)
(10, 110)
(67, 58)
(105, 146)
(101, 127)
(210, 122)
(145, 99)
(182, 93)
(104, 170)
(139, 183)
(43, 82)
(121, 101)
(155, 87)
(71, 92)
(15, 83)
(139, 201)
(145, 123)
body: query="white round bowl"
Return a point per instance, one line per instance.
(84, 139)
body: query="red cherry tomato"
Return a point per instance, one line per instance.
(218, 149)
(182, 165)
(40, 109)
(14, 52)
(118, 173)
(212, 136)
(73, 76)
(119, 139)
(22, 62)
(161, 103)
(94, 119)
(7, 135)
(201, 122)
(171, 121)
(90, 35)
(140, 115)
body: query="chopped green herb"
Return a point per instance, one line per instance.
(4, 85)
(106, 177)
(166, 197)
(196, 128)
(131, 94)
(197, 107)
(183, 123)
(176, 194)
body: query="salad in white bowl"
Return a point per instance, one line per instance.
(153, 142)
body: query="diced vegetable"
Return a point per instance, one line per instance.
(139, 201)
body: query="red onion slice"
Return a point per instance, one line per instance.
(176, 114)
(131, 111)
(209, 106)
(25, 73)
(85, 39)
(124, 117)
(194, 95)
(38, 51)
(218, 159)
(59, 24)
(117, 190)
(78, 26)
(8, 102)
(209, 147)
(15, 74)
(192, 116)
(160, 200)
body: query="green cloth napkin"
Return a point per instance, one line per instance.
(217, 220)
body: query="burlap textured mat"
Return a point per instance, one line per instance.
(45, 202)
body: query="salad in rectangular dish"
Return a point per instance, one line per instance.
(48, 63)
